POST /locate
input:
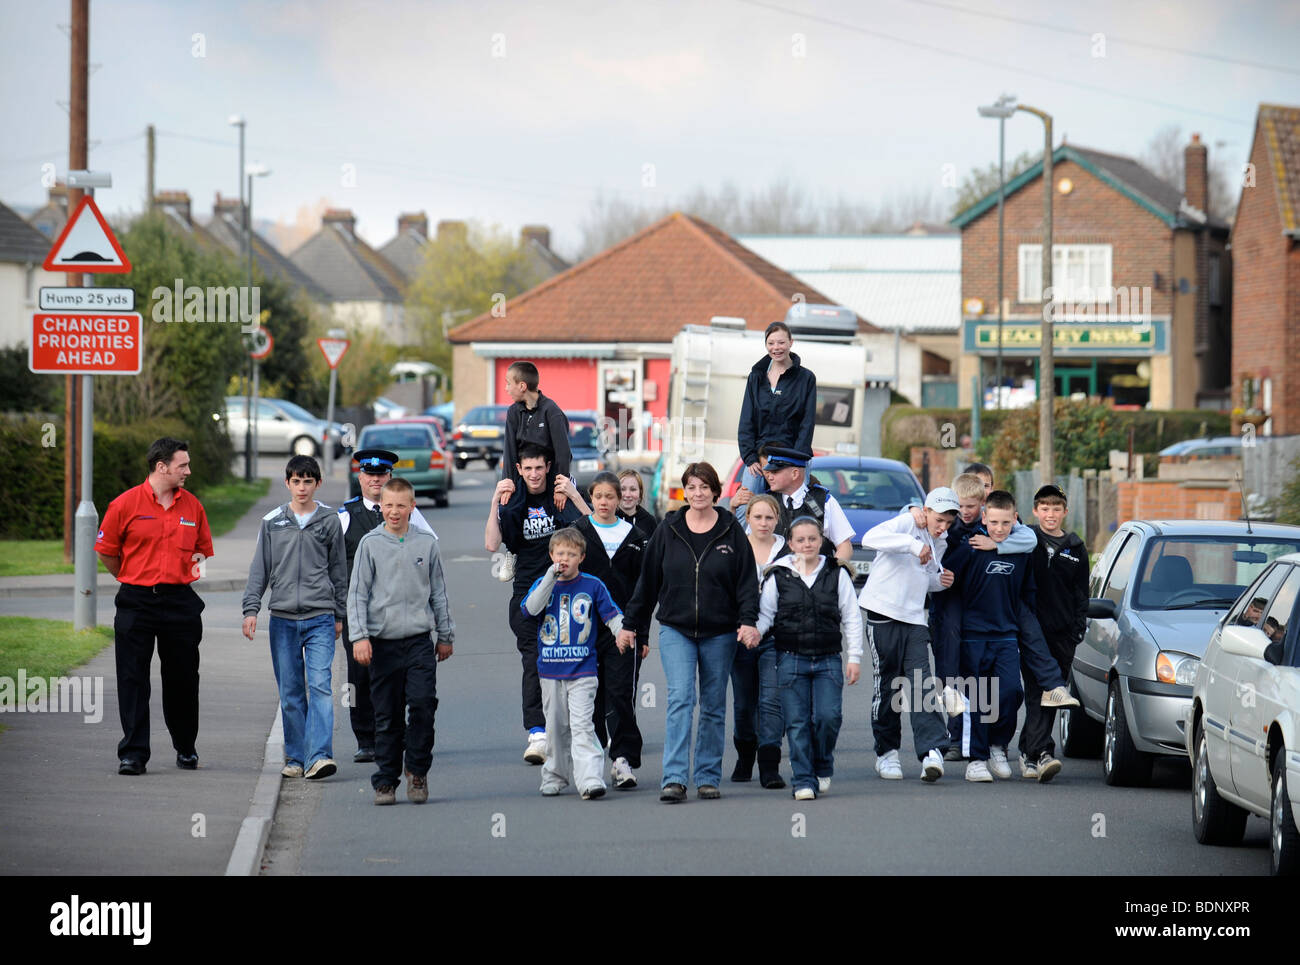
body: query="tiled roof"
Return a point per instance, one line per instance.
(1280, 127)
(225, 227)
(406, 253)
(678, 271)
(908, 282)
(348, 268)
(19, 241)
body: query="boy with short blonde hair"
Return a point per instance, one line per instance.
(569, 603)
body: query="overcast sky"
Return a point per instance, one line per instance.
(516, 113)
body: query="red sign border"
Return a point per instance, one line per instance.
(88, 201)
(31, 347)
(320, 345)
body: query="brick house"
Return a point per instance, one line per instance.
(1266, 274)
(1141, 276)
(601, 332)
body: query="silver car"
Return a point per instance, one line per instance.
(282, 426)
(1157, 593)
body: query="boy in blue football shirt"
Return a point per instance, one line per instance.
(570, 603)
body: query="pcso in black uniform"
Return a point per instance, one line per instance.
(358, 516)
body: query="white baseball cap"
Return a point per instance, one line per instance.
(942, 500)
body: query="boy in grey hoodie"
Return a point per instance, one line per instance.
(397, 601)
(301, 558)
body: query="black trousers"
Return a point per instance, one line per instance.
(901, 656)
(525, 631)
(1036, 733)
(403, 675)
(170, 615)
(361, 714)
(615, 710)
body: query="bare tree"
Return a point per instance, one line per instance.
(1164, 156)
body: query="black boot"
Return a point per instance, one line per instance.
(745, 763)
(769, 766)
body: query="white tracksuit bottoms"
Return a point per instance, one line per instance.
(576, 756)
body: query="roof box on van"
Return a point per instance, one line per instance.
(824, 320)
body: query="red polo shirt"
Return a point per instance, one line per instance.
(156, 545)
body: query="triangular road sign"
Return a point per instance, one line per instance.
(87, 244)
(333, 349)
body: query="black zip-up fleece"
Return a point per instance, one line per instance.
(703, 597)
(781, 418)
(619, 574)
(1062, 583)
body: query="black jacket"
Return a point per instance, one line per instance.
(700, 597)
(1062, 582)
(781, 418)
(546, 425)
(621, 573)
(642, 519)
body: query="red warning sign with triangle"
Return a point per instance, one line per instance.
(87, 244)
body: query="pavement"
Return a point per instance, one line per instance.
(64, 809)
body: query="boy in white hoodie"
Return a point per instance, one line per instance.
(906, 568)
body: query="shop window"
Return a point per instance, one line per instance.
(1080, 273)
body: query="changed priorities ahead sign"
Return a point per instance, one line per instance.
(88, 343)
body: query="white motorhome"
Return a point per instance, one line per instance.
(711, 364)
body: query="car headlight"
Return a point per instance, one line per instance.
(1176, 668)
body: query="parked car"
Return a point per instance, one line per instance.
(481, 435)
(419, 459)
(1244, 738)
(1157, 593)
(443, 413)
(282, 426)
(439, 434)
(588, 458)
(1190, 449)
(869, 490)
(385, 408)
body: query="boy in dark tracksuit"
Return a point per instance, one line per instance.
(997, 591)
(1060, 570)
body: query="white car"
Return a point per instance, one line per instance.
(1244, 738)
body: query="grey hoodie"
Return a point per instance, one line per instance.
(397, 588)
(305, 569)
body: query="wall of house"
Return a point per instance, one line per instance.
(570, 383)
(19, 289)
(1266, 298)
(469, 379)
(1161, 499)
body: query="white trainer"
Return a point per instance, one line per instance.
(1059, 697)
(823, 785)
(805, 794)
(998, 763)
(978, 772)
(535, 752)
(620, 774)
(932, 766)
(953, 702)
(506, 571)
(887, 766)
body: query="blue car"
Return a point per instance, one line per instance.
(869, 491)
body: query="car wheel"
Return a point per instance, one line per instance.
(440, 500)
(1214, 820)
(1124, 764)
(1283, 836)
(462, 464)
(303, 446)
(492, 462)
(1081, 736)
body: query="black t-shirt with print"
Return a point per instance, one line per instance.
(526, 527)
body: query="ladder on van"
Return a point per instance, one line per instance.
(693, 400)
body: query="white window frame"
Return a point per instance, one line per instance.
(1029, 262)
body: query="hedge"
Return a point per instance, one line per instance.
(31, 474)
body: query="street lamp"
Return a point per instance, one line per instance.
(237, 120)
(255, 170)
(1002, 108)
(1046, 368)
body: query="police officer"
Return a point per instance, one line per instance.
(153, 539)
(787, 480)
(358, 516)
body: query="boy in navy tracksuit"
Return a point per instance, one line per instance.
(1060, 567)
(997, 594)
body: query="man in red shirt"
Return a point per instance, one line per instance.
(154, 539)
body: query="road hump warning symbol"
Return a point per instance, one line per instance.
(87, 244)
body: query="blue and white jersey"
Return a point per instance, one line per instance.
(566, 635)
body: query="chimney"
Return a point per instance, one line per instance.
(178, 201)
(536, 232)
(1196, 177)
(226, 206)
(342, 217)
(417, 222)
(453, 231)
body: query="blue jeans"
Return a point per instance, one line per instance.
(682, 658)
(812, 697)
(306, 701)
(755, 483)
(756, 701)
